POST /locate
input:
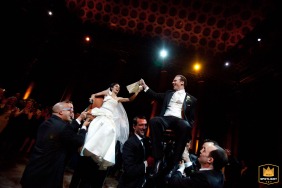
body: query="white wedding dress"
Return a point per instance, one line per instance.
(109, 125)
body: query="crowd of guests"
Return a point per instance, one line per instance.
(99, 139)
(19, 121)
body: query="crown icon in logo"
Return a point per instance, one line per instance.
(268, 172)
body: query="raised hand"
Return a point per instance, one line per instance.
(142, 83)
(140, 88)
(87, 122)
(92, 98)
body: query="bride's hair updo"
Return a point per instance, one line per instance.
(112, 85)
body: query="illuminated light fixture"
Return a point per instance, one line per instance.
(87, 39)
(28, 91)
(227, 64)
(197, 67)
(163, 53)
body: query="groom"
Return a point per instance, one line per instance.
(177, 113)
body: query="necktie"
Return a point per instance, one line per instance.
(143, 146)
(142, 142)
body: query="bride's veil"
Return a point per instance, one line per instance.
(122, 124)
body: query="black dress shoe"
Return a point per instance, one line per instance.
(156, 171)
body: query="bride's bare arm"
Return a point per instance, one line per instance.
(131, 98)
(102, 93)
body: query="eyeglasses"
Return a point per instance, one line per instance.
(67, 109)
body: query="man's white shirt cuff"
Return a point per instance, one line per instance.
(187, 164)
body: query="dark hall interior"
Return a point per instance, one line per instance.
(239, 106)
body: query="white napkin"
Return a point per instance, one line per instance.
(132, 88)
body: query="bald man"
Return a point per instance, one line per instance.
(212, 159)
(57, 138)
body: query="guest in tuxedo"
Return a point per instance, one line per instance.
(212, 159)
(57, 138)
(177, 113)
(134, 157)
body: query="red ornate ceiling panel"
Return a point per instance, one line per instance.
(210, 26)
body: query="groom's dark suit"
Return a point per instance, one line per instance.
(181, 127)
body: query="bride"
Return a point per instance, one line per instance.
(109, 125)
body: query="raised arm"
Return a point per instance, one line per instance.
(102, 93)
(143, 84)
(131, 98)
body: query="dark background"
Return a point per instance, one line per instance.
(51, 53)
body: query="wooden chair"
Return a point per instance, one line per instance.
(97, 103)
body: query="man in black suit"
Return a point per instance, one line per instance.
(134, 157)
(177, 113)
(212, 159)
(57, 138)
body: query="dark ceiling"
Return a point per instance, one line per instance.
(210, 27)
(206, 29)
(128, 34)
